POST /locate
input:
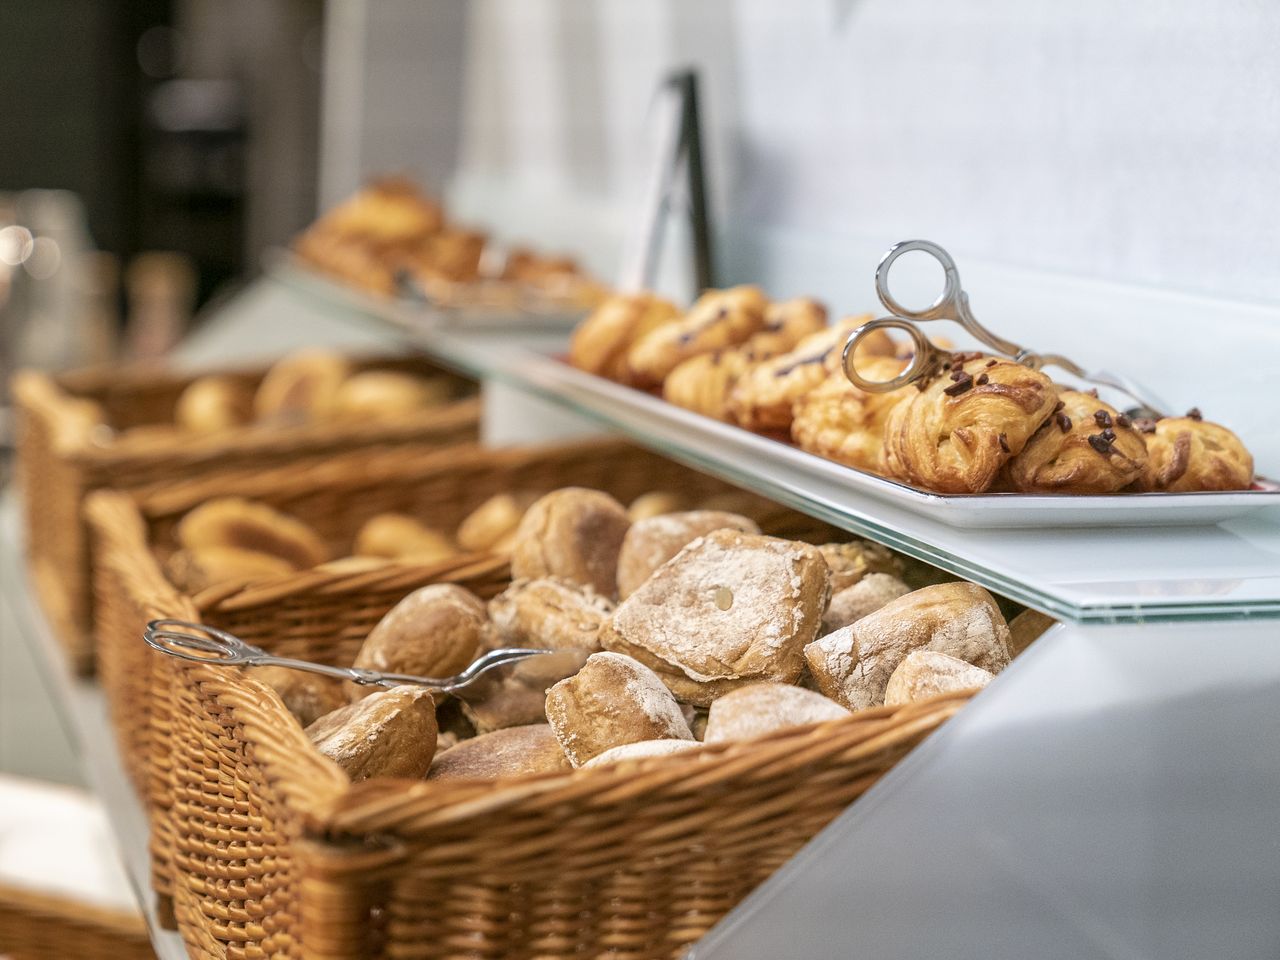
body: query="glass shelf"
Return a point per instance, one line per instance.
(1084, 574)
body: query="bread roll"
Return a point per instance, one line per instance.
(301, 387)
(926, 673)
(496, 518)
(761, 708)
(433, 632)
(246, 525)
(1027, 627)
(383, 394)
(308, 696)
(513, 752)
(572, 534)
(209, 404)
(642, 750)
(728, 610)
(397, 535)
(194, 570)
(850, 562)
(651, 543)
(549, 614)
(612, 700)
(866, 596)
(852, 666)
(654, 504)
(391, 733)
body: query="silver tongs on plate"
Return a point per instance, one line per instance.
(201, 643)
(953, 304)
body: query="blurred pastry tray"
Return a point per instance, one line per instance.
(986, 511)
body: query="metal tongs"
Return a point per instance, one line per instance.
(204, 644)
(953, 304)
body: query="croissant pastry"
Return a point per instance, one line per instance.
(600, 343)
(719, 319)
(703, 383)
(1186, 454)
(844, 423)
(1086, 446)
(956, 434)
(786, 324)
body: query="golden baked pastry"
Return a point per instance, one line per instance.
(384, 394)
(651, 543)
(247, 525)
(510, 752)
(763, 397)
(762, 708)
(842, 422)
(853, 665)
(612, 700)
(210, 404)
(927, 673)
(301, 387)
(956, 434)
(433, 632)
(654, 504)
(600, 343)
(571, 534)
(493, 520)
(1186, 454)
(866, 596)
(194, 570)
(850, 562)
(729, 609)
(398, 535)
(549, 614)
(390, 211)
(786, 323)
(704, 383)
(391, 733)
(718, 320)
(642, 750)
(1087, 446)
(308, 696)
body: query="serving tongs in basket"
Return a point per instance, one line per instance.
(953, 304)
(202, 643)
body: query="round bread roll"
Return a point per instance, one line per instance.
(641, 750)
(301, 387)
(866, 596)
(654, 504)
(513, 752)
(399, 535)
(308, 696)
(572, 534)
(850, 562)
(926, 673)
(550, 614)
(433, 632)
(651, 543)
(852, 666)
(387, 734)
(245, 525)
(729, 609)
(376, 394)
(761, 708)
(486, 526)
(1027, 627)
(194, 570)
(210, 404)
(612, 700)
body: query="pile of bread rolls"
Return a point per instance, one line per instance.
(981, 424)
(390, 228)
(665, 632)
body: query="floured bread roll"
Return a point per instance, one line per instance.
(571, 534)
(301, 387)
(761, 708)
(213, 403)
(1186, 454)
(852, 666)
(729, 609)
(549, 614)
(512, 752)
(641, 751)
(850, 562)
(866, 596)
(398, 535)
(719, 319)
(494, 520)
(612, 700)
(376, 394)
(195, 570)
(246, 525)
(1087, 446)
(926, 673)
(433, 632)
(388, 734)
(308, 696)
(651, 543)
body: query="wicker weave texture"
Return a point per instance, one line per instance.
(36, 926)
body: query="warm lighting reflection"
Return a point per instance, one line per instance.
(45, 258)
(16, 245)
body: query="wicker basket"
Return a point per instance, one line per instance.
(61, 458)
(38, 926)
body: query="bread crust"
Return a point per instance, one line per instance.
(651, 543)
(571, 534)
(391, 733)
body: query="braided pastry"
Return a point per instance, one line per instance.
(786, 324)
(600, 343)
(719, 319)
(703, 383)
(1186, 454)
(844, 423)
(1087, 446)
(956, 434)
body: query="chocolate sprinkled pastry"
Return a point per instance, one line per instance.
(1063, 421)
(959, 387)
(1122, 421)
(1102, 418)
(1195, 414)
(1145, 425)
(992, 362)
(1004, 442)
(1100, 443)
(1057, 407)
(983, 379)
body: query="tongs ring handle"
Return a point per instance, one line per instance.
(925, 357)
